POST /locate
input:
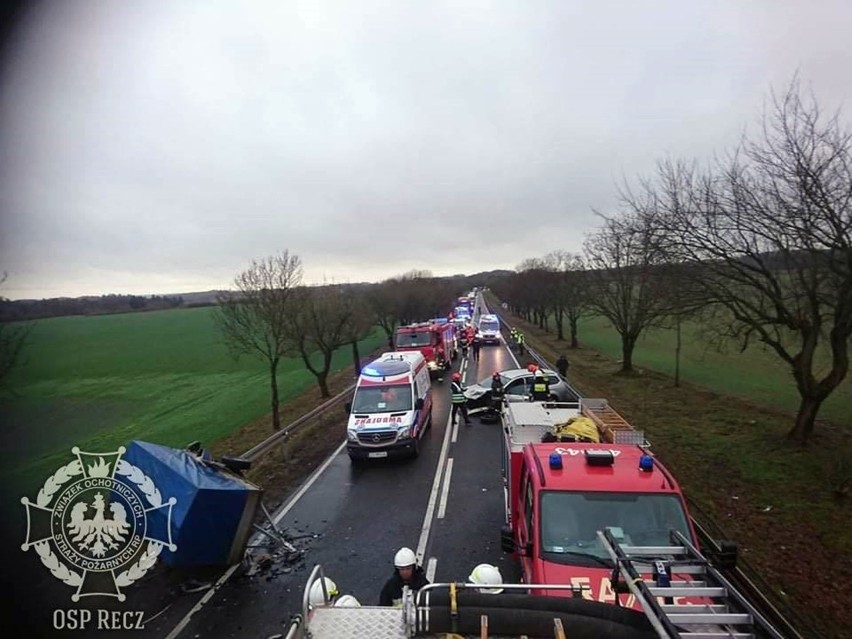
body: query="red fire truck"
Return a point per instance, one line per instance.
(560, 489)
(435, 340)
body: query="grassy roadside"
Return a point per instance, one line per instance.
(730, 456)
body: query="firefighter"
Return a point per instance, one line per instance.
(406, 573)
(540, 387)
(458, 399)
(476, 345)
(316, 596)
(562, 365)
(487, 575)
(520, 341)
(497, 391)
(347, 601)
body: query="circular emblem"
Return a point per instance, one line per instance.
(97, 507)
(376, 438)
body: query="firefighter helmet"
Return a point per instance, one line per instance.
(347, 601)
(487, 575)
(456, 377)
(404, 557)
(316, 597)
(496, 375)
(532, 368)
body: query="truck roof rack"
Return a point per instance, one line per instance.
(722, 612)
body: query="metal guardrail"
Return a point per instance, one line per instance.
(257, 451)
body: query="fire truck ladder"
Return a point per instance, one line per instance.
(724, 612)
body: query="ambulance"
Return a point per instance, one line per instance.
(391, 408)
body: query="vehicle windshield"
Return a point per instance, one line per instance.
(489, 325)
(421, 338)
(382, 399)
(570, 521)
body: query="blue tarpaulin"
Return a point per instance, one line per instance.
(213, 512)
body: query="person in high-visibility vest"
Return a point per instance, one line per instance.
(458, 399)
(540, 387)
(520, 340)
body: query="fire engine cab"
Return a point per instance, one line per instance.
(436, 341)
(559, 494)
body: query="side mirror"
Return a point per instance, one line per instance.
(418, 403)
(347, 407)
(507, 540)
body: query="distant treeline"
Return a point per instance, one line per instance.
(105, 304)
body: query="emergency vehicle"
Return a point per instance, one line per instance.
(489, 329)
(391, 408)
(436, 341)
(558, 494)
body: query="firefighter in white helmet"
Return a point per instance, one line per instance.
(406, 573)
(487, 575)
(317, 597)
(347, 601)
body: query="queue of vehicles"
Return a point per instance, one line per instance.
(582, 491)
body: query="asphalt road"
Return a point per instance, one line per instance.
(447, 505)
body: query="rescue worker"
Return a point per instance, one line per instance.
(316, 597)
(497, 391)
(477, 344)
(458, 399)
(562, 365)
(520, 341)
(540, 387)
(487, 575)
(406, 573)
(347, 601)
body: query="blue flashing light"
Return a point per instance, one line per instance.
(371, 372)
(646, 463)
(555, 461)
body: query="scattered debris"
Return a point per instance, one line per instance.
(767, 509)
(193, 585)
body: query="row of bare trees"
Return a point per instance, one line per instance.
(756, 246)
(271, 315)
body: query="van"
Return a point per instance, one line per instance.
(489, 329)
(391, 408)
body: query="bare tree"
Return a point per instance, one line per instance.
(255, 319)
(625, 264)
(320, 324)
(13, 339)
(360, 324)
(770, 233)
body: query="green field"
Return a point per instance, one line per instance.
(757, 374)
(165, 377)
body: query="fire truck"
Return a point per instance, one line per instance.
(436, 341)
(572, 470)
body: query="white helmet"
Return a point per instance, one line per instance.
(404, 557)
(486, 574)
(316, 597)
(347, 601)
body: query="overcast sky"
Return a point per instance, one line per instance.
(160, 146)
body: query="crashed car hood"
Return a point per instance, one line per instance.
(476, 391)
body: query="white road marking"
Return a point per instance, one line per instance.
(455, 432)
(445, 491)
(319, 471)
(430, 569)
(207, 596)
(433, 496)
